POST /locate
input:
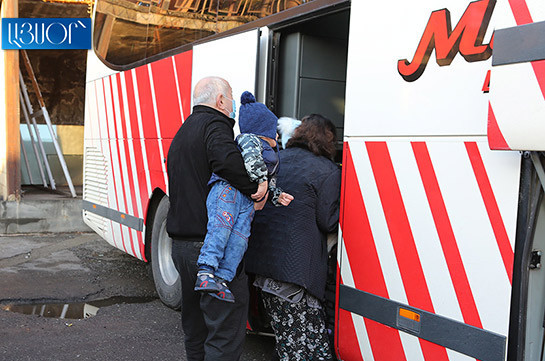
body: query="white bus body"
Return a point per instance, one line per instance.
(437, 230)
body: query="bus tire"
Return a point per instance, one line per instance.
(165, 276)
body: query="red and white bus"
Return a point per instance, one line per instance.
(439, 249)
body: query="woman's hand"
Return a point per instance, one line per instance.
(285, 198)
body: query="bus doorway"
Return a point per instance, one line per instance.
(308, 69)
(307, 74)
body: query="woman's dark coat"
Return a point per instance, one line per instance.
(289, 243)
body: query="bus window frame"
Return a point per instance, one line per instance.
(276, 21)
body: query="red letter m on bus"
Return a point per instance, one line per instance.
(467, 39)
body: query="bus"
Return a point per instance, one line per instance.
(438, 110)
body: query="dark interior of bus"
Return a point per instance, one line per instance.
(308, 71)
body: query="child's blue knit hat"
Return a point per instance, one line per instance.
(255, 117)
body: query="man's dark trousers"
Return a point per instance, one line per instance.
(214, 330)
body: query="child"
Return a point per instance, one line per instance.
(230, 213)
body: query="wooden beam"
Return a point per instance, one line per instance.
(12, 186)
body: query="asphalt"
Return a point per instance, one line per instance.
(71, 268)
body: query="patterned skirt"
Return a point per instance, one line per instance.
(299, 329)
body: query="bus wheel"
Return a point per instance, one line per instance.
(165, 275)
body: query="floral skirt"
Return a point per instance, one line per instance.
(299, 329)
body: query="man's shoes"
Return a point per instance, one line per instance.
(206, 282)
(224, 293)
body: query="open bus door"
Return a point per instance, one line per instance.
(305, 68)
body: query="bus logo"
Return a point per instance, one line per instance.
(466, 39)
(46, 33)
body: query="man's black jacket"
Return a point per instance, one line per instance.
(203, 144)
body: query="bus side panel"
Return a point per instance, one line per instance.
(428, 224)
(234, 58)
(131, 118)
(429, 212)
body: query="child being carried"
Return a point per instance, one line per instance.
(230, 213)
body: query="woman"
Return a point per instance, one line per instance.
(287, 250)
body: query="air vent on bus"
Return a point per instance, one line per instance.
(95, 186)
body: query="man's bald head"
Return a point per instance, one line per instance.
(207, 90)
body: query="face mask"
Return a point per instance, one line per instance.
(233, 113)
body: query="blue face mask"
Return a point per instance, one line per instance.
(233, 113)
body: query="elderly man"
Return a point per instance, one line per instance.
(214, 330)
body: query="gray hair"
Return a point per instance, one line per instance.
(207, 90)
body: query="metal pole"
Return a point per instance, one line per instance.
(25, 112)
(26, 158)
(59, 152)
(32, 116)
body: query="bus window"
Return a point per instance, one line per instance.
(179, 23)
(130, 31)
(120, 31)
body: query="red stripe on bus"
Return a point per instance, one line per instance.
(347, 346)
(125, 139)
(495, 136)
(184, 64)
(150, 131)
(137, 144)
(100, 137)
(112, 165)
(364, 262)
(338, 281)
(146, 103)
(416, 288)
(142, 190)
(446, 235)
(521, 12)
(166, 97)
(132, 181)
(120, 180)
(492, 208)
(166, 103)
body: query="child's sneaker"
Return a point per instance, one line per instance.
(224, 293)
(206, 282)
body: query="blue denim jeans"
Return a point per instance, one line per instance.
(230, 215)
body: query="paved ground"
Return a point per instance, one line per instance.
(73, 268)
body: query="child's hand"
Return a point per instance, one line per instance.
(259, 205)
(285, 198)
(262, 190)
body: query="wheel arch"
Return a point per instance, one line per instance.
(153, 203)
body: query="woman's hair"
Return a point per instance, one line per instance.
(317, 134)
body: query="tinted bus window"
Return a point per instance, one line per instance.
(128, 31)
